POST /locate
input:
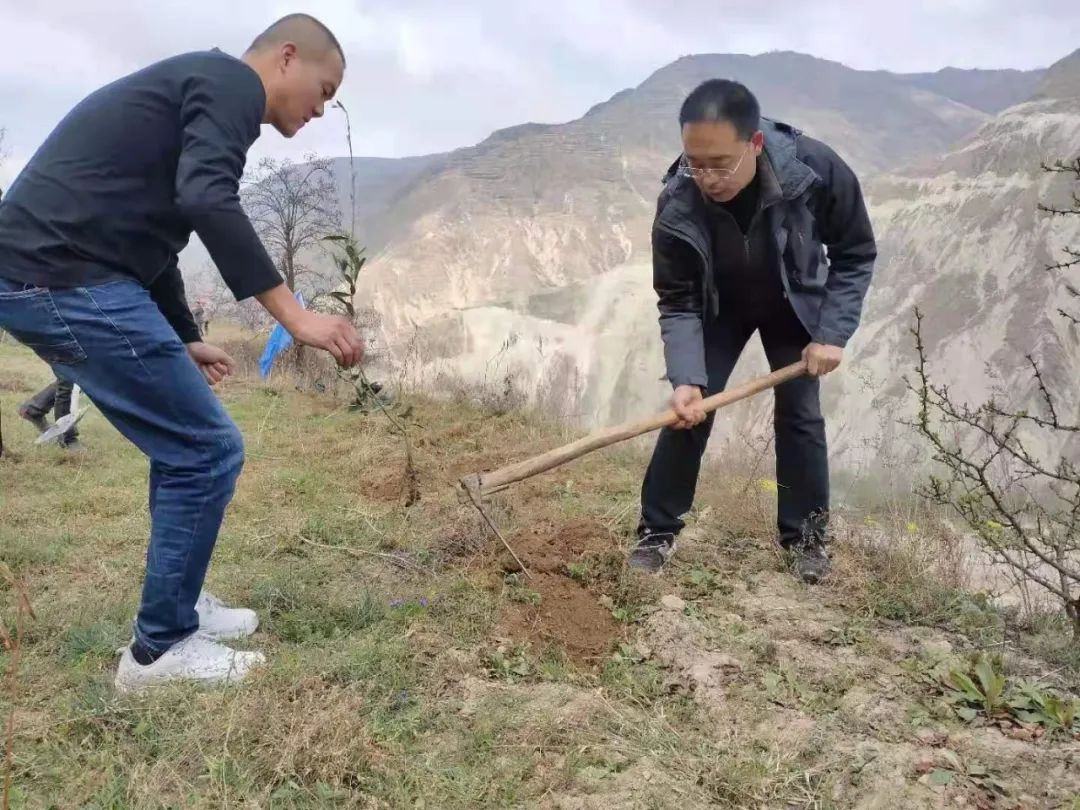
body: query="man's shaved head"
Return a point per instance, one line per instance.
(301, 65)
(310, 36)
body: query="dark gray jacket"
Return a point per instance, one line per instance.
(825, 249)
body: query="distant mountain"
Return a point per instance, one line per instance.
(378, 183)
(1062, 80)
(532, 249)
(620, 148)
(524, 261)
(862, 113)
(988, 90)
(963, 239)
(538, 207)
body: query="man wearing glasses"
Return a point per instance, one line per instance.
(758, 229)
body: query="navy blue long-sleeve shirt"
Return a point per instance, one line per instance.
(117, 188)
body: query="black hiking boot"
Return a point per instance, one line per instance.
(652, 551)
(811, 561)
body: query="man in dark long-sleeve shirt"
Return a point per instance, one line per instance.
(89, 237)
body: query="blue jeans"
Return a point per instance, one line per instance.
(113, 342)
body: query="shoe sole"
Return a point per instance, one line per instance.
(813, 580)
(134, 687)
(646, 569)
(225, 636)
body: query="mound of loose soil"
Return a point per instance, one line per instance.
(384, 486)
(569, 615)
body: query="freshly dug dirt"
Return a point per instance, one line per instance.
(384, 486)
(569, 615)
(549, 548)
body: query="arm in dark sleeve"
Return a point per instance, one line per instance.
(849, 238)
(167, 291)
(221, 115)
(678, 285)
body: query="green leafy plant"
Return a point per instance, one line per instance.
(847, 635)
(579, 572)
(783, 688)
(626, 614)
(703, 578)
(525, 597)
(350, 261)
(947, 768)
(368, 395)
(510, 664)
(1032, 704)
(981, 689)
(516, 591)
(977, 689)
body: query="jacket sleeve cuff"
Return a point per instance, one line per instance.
(827, 338)
(700, 382)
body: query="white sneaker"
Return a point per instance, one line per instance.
(194, 659)
(218, 622)
(221, 623)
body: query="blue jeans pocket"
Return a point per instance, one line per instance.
(30, 315)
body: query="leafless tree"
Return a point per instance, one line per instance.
(293, 207)
(1022, 503)
(221, 305)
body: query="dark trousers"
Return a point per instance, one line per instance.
(802, 465)
(55, 397)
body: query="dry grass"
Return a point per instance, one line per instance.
(391, 682)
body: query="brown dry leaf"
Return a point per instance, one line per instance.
(951, 760)
(1028, 732)
(924, 766)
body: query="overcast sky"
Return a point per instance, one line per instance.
(432, 75)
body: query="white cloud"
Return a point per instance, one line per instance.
(427, 75)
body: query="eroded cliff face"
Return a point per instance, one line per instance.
(523, 264)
